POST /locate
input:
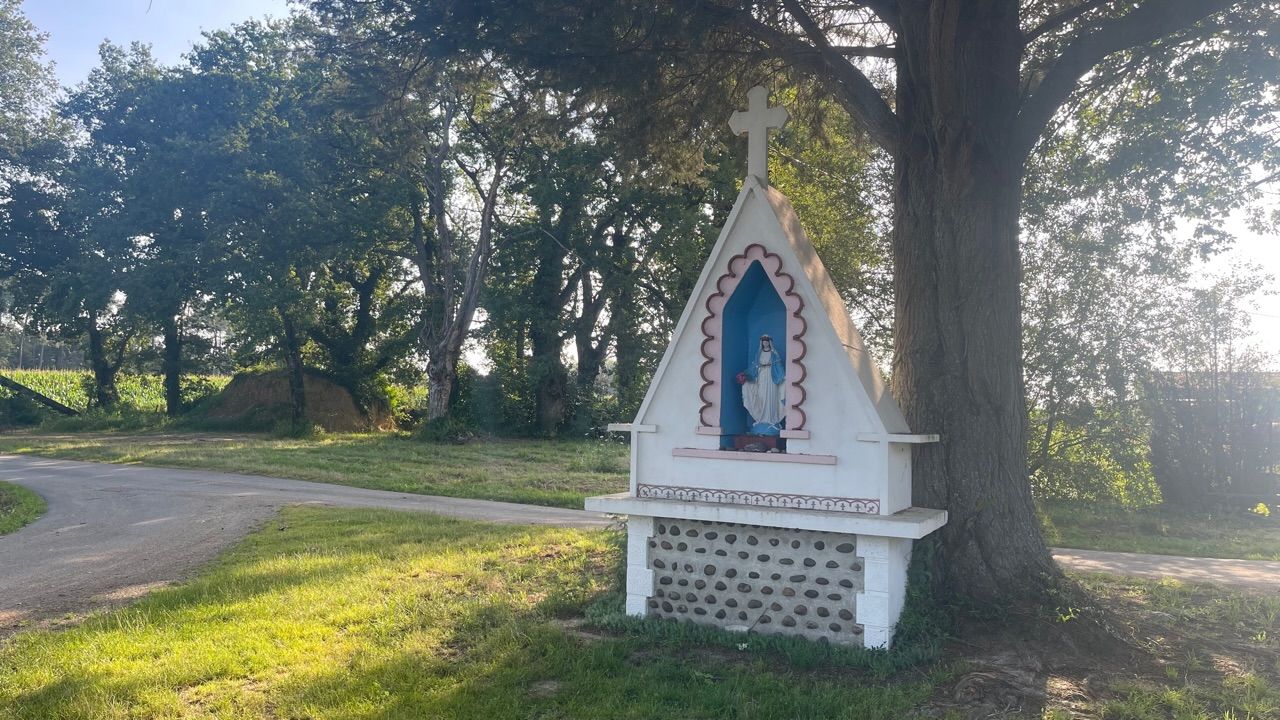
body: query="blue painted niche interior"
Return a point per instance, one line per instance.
(753, 310)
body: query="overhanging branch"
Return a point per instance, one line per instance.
(861, 98)
(881, 51)
(1147, 23)
(1059, 20)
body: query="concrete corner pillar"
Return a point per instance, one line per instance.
(639, 574)
(884, 586)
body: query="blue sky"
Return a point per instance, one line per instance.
(77, 27)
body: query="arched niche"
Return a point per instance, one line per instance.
(754, 309)
(764, 285)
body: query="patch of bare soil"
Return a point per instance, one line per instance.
(264, 397)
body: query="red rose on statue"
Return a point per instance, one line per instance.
(741, 378)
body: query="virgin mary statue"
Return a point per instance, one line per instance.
(762, 389)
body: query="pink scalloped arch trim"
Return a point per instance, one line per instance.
(713, 327)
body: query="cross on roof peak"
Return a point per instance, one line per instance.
(755, 122)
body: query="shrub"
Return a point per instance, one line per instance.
(19, 411)
(450, 429)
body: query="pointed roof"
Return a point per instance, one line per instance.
(802, 262)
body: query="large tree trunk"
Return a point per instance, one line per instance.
(104, 371)
(546, 304)
(172, 366)
(442, 375)
(629, 349)
(591, 355)
(296, 371)
(547, 371)
(958, 335)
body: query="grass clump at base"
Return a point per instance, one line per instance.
(357, 613)
(1164, 531)
(557, 473)
(18, 507)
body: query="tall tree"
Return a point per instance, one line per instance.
(26, 84)
(958, 93)
(480, 133)
(67, 250)
(274, 203)
(178, 162)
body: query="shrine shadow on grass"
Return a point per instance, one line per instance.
(342, 613)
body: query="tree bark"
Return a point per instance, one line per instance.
(106, 395)
(629, 349)
(546, 367)
(296, 371)
(454, 306)
(442, 375)
(172, 366)
(958, 336)
(592, 350)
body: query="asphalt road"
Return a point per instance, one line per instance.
(114, 532)
(1244, 574)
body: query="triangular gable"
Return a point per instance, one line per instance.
(801, 259)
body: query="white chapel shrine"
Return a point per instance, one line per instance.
(770, 465)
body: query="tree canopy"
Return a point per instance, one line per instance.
(1012, 196)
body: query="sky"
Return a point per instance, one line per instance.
(77, 27)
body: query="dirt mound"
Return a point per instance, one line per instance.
(262, 399)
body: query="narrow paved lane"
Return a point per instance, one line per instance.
(114, 532)
(1245, 574)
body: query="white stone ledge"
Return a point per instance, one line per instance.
(631, 427)
(639, 581)
(754, 456)
(636, 605)
(912, 523)
(790, 434)
(899, 438)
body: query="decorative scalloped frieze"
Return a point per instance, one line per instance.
(868, 506)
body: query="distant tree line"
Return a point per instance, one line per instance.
(21, 351)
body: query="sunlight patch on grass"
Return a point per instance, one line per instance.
(1231, 668)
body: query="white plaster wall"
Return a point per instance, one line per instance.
(897, 491)
(837, 404)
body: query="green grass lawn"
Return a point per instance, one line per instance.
(18, 506)
(328, 613)
(372, 614)
(527, 471)
(1164, 532)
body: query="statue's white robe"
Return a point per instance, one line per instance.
(761, 395)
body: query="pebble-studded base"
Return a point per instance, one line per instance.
(762, 579)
